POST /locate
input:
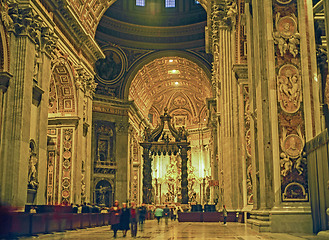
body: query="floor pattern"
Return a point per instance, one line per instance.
(176, 231)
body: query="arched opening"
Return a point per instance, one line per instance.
(62, 122)
(62, 100)
(156, 58)
(183, 87)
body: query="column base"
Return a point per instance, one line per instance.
(291, 219)
(260, 221)
(323, 235)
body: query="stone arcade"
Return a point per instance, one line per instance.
(243, 85)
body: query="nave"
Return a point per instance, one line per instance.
(177, 230)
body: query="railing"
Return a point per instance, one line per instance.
(27, 224)
(318, 171)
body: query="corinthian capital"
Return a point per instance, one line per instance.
(49, 40)
(24, 21)
(85, 81)
(223, 14)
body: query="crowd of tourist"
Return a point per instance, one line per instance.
(126, 218)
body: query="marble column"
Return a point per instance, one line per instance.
(121, 190)
(223, 18)
(284, 106)
(16, 123)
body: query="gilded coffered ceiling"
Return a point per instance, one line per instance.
(173, 82)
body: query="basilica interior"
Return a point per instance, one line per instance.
(211, 102)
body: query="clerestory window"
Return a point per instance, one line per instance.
(140, 3)
(170, 3)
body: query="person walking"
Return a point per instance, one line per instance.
(166, 213)
(133, 219)
(174, 213)
(141, 216)
(115, 213)
(124, 219)
(224, 214)
(158, 213)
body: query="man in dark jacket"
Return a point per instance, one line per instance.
(85, 208)
(141, 216)
(166, 213)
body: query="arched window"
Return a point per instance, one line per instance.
(140, 3)
(170, 3)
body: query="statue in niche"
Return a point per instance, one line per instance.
(286, 164)
(37, 62)
(32, 175)
(102, 192)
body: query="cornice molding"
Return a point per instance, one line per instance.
(65, 121)
(75, 28)
(113, 24)
(241, 71)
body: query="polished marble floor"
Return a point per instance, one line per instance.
(176, 230)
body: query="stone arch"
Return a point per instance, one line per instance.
(202, 63)
(62, 91)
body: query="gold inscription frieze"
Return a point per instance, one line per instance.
(109, 110)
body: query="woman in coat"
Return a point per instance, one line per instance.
(124, 219)
(115, 213)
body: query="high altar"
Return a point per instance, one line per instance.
(175, 170)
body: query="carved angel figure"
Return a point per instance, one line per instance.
(299, 163)
(292, 44)
(289, 88)
(286, 164)
(281, 42)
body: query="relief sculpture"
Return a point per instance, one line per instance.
(292, 156)
(286, 35)
(289, 88)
